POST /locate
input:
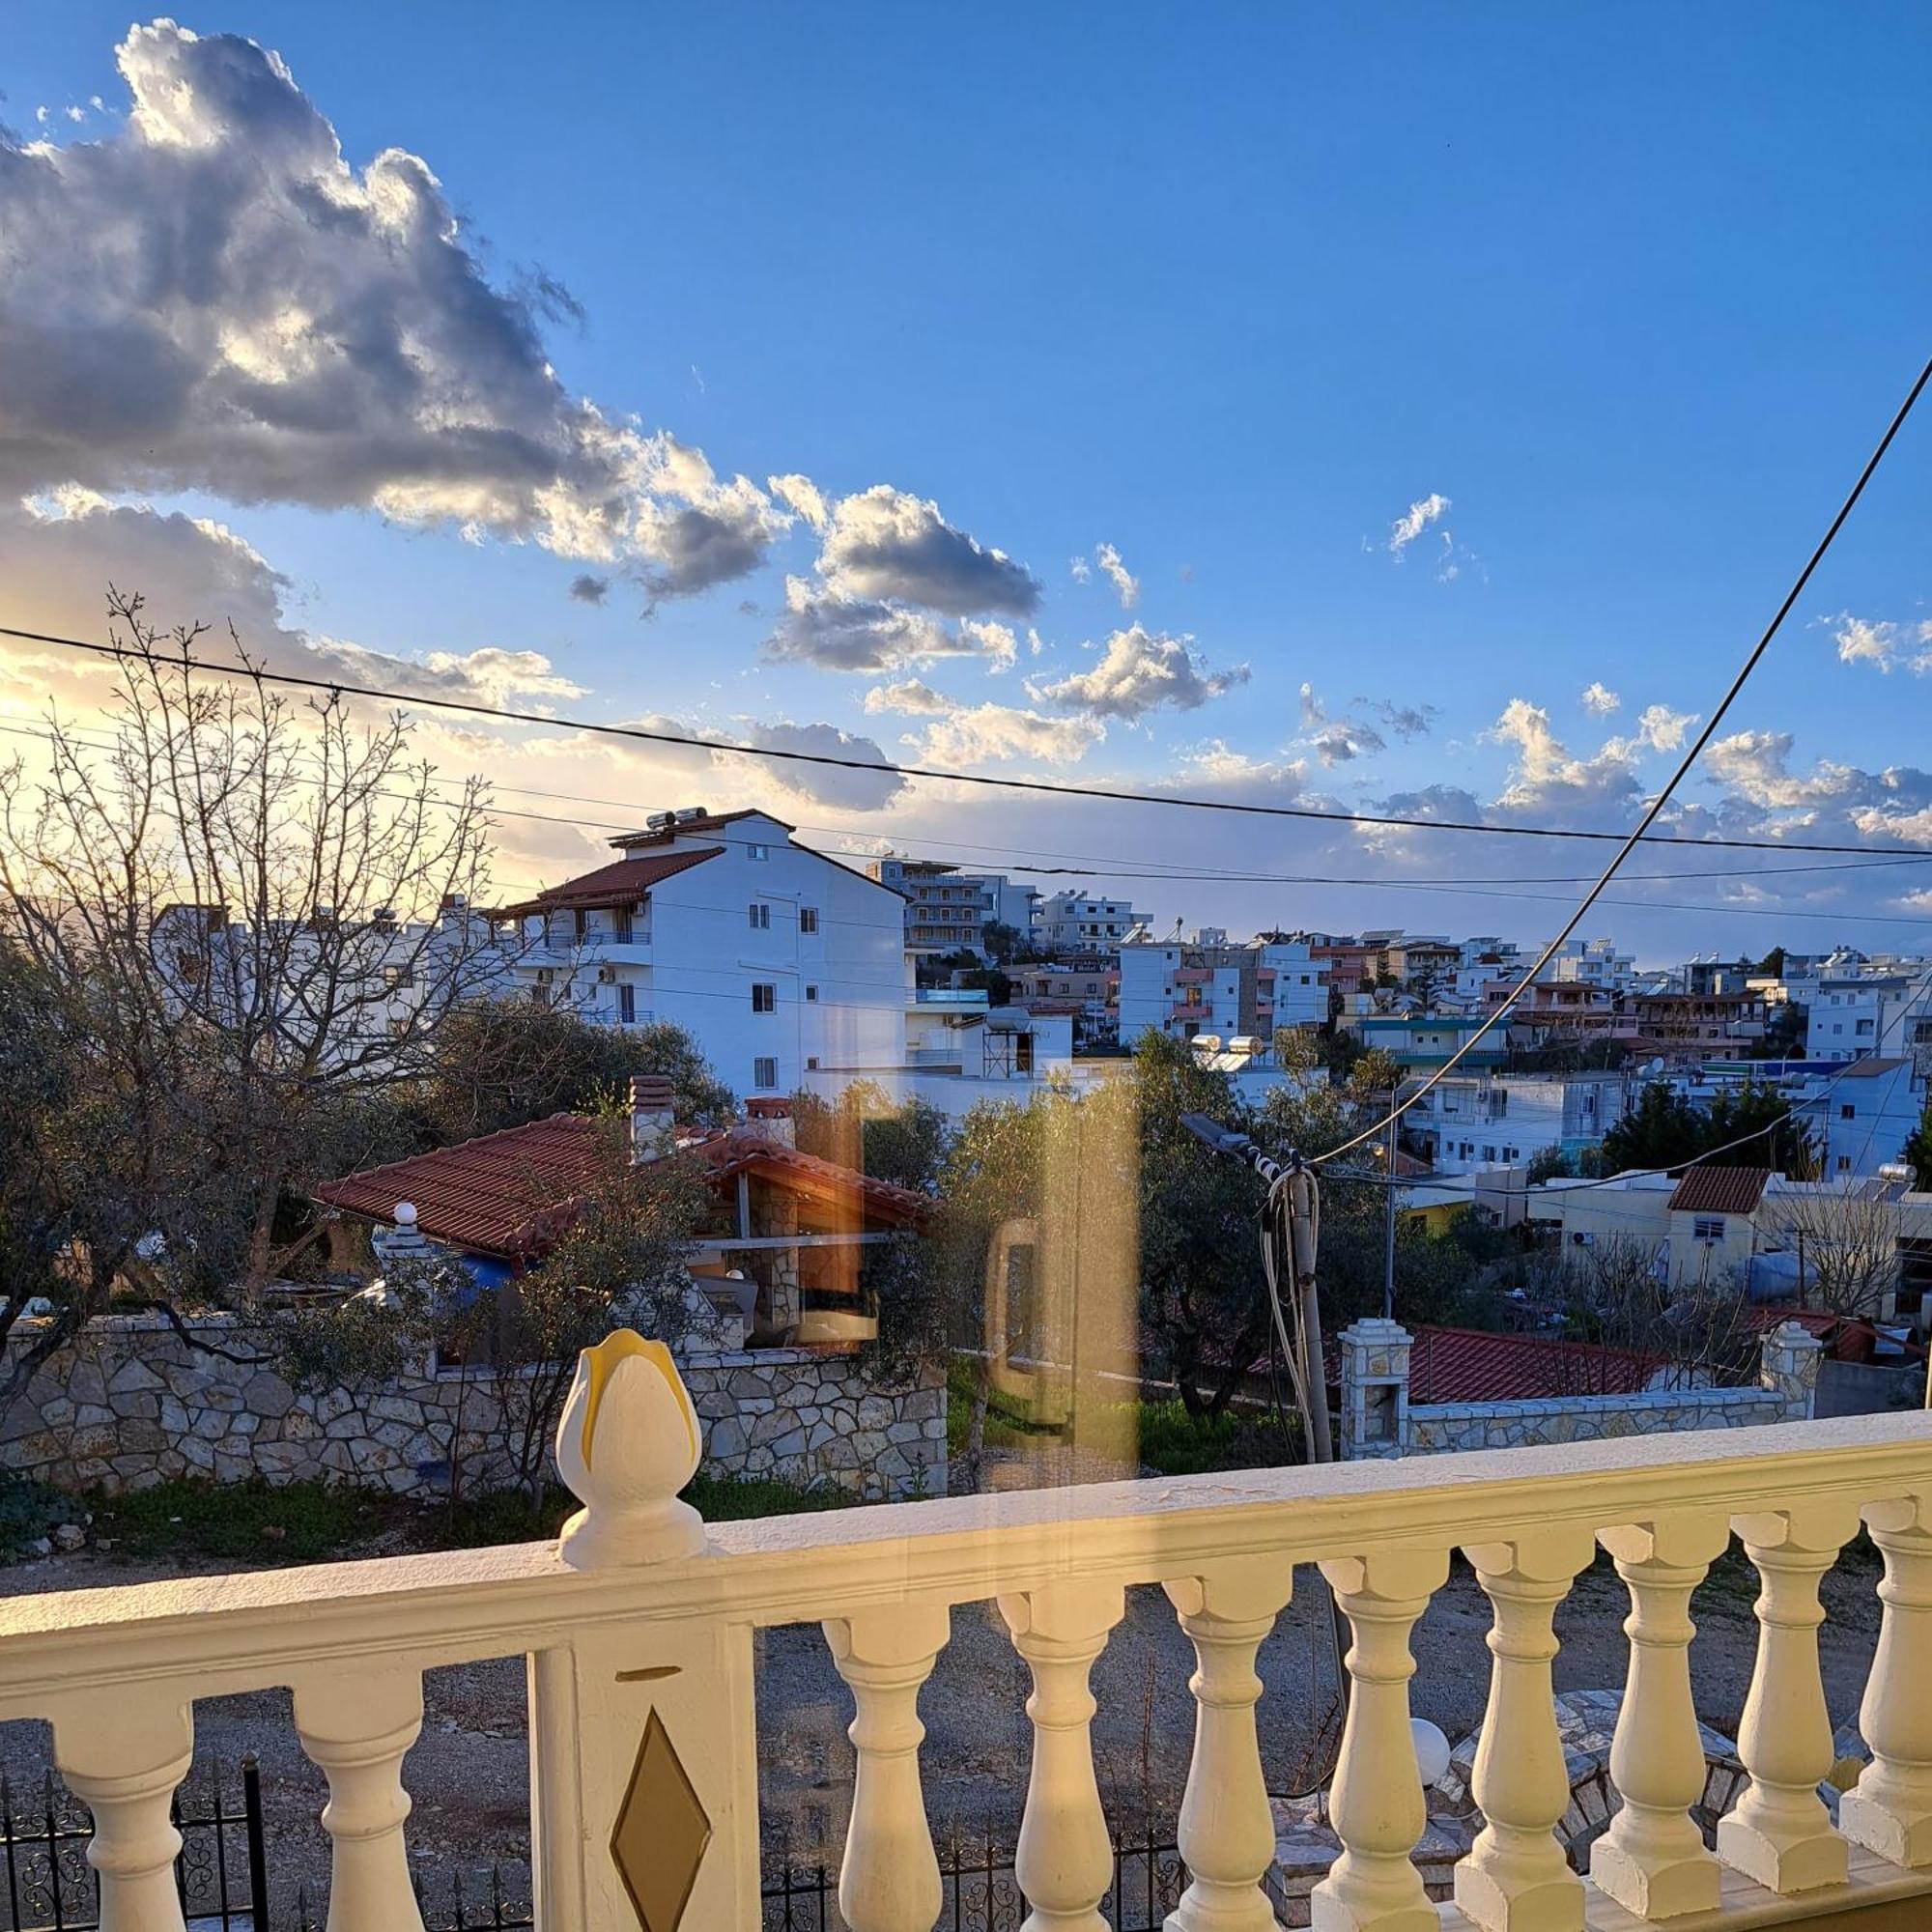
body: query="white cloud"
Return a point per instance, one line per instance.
(1884, 644)
(1140, 672)
(1083, 571)
(1600, 700)
(1127, 585)
(974, 735)
(1337, 741)
(803, 495)
(211, 297)
(996, 642)
(868, 634)
(1416, 518)
(887, 544)
(1661, 729)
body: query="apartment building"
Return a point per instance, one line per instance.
(1229, 992)
(1869, 1012)
(1471, 1122)
(948, 909)
(776, 959)
(1080, 924)
(1594, 962)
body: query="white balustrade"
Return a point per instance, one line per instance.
(124, 1754)
(889, 1878)
(1517, 1877)
(359, 1729)
(1227, 1827)
(1651, 1860)
(1065, 1861)
(642, 1639)
(1376, 1804)
(1780, 1833)
(1890, 1809)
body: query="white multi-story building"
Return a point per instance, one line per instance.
(1469, 1122)
(1226, 992)
(777, 960)
(1862, 1116)
(948, 909)
(1592, 962)
(1870, 1012)
(1075, 924)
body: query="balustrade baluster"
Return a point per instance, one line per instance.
(1064, 1862)
(1780, 1833)
(1227, 1826)
(1516, 1877)
(357, 1726)
(1375, 1802)
(1889, 1810)
(889, 1878)
(1652, 1859)
(123, 1753)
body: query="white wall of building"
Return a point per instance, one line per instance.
(1075, 923)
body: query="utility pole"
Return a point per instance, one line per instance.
(1388, 1235)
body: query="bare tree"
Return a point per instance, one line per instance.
(1846, 1245)
(1622, 1297)
(251, 911)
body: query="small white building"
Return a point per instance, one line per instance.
(1076, 923)
(1862, 1116)
(777, 960)
(1870, 1012)
(1225, 991)
(1469, 1122)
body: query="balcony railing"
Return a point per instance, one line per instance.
(640, 1628)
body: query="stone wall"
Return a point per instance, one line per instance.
(1378, 1420)
(132, 1404)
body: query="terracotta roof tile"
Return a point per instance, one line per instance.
(622, 882)
(1474, 1365)
(1720, 1190)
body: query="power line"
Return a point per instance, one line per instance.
(1689, 758)
(1179, 801)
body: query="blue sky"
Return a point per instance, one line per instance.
(1632, 287)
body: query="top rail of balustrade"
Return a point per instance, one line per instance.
(225, 1634)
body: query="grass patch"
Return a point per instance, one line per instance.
(1179, 1444)
(1009, 1421)
(300, 1522)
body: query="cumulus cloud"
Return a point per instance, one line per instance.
(869, 634)
(803, 495)
(1663, 729)
(839, 785)
(1336, 741)
(885, 544)
(1546, 781)
(1883, 643)
(587, 588)
(1600, 700)
(211, 297)
(1140, 672)
(972, 734)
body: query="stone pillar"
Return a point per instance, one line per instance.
(1375, 1389)
(1788, 1366)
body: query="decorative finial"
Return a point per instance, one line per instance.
(629, 1441)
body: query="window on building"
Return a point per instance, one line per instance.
(620, 921)
(577, 922)
(760, 916)
(1848, 1111)
(765, 1071)
(807, 918)
(1707, 1227)
(812, 1062)
(811, 992)
(764, 998)
(1844, 1163)
(758, 851)
(627, 1004)
(1865, 1026)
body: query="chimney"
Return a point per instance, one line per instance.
(653, 1131)
(773, 1119)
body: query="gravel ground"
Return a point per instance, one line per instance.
(468, 1775)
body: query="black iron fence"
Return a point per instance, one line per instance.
(221, 1875)
(979, 1892)
(486, 1901)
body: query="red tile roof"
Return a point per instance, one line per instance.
(622, 882)
(1474, 1365)
(505, 1193)
(1720, 1190)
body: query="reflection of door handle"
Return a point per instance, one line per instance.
(1019, 1231)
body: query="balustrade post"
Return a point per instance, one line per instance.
(1375, 1802)
(359, 1726)
(889, 1878)
(1780, 1832)
(1652, 1859)
(643, 1734)
(1516, 1877)
(1064, 1862)
(123, 1753)
(1889, 1810)
(1227, 1825)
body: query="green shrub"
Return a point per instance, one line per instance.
(300, 1522)
(28, 1511)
